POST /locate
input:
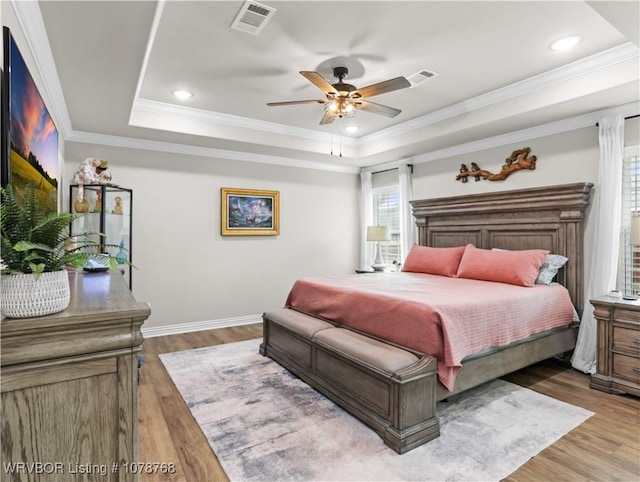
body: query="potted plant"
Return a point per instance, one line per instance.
(36, 248)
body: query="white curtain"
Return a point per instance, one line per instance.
(366, 219)
(407, 224)
(606, 215)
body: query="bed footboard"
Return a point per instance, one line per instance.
(389, 388)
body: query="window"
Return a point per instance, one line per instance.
(386, 212)
(629, 262)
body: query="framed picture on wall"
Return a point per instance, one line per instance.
(250, 212)
(29, 135)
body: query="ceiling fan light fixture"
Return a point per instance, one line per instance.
(566, 43)
(348, 107)
(182, 94)
(340, 107)
(343, 100)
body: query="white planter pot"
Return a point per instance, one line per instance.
(24, 295)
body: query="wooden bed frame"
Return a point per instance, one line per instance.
(549, 218)
(539, 218)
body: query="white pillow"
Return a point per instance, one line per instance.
(549, 268)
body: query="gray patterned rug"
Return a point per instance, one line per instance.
(266, 425)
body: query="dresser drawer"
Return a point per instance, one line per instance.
(625, 314)
(626, 367)
(626, 339)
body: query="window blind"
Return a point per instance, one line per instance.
(386, 212)
(629, 262)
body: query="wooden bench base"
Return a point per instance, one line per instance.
(389, 388)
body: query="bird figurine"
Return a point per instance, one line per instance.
(475, 167)
(463, 169)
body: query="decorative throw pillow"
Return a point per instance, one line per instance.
(512, 267)
(549, 268)
(441, 261)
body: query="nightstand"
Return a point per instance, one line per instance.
(618, 351)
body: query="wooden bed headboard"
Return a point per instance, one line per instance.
(538, 218)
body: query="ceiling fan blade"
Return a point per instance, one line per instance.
(327, 118)
(382, 87)
(295, 102)
(377, 108)
(319, 81)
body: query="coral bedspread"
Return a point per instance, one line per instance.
(447, 318)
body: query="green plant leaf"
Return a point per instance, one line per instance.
(33, 241)
(37, 269)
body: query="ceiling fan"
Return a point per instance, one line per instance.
(342, 100)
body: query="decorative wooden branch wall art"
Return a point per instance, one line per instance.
(517, 161)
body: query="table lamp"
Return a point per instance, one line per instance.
(378, 234)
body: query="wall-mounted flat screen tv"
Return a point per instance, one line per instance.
(29, 135)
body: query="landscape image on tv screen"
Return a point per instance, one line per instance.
(33, 137)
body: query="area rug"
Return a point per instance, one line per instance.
(265, 424)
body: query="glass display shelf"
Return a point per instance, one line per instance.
(108, 210)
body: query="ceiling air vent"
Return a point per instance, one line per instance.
(252, 17)
(421, 76)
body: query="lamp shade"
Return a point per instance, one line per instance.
(378, 233)
(634, 236)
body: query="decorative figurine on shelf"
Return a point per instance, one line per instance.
(121, 256)
(91, 171)
(475, 167)
(118, 207)
(98, 205)
(81, 205)
(463, 169)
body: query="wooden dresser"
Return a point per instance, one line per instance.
(618, 352)
(69, 386)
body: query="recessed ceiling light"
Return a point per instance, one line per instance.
(351, 129)
(182, 94)
(565, 43)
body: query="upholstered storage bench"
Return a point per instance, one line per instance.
(391, 389)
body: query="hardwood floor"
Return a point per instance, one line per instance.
(606, 447)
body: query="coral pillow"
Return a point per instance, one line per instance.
(513, 267)
(549, 267)
(442, 261)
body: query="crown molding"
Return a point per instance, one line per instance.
(593, 63)
(31, 23)
(160, 146)
(229, 120)
(543, 130)
(578, 68)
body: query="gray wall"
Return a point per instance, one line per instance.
(562, 158)
(187, 270)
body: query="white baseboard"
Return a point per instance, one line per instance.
(200, 325)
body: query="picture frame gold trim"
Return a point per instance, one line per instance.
(249, 212)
